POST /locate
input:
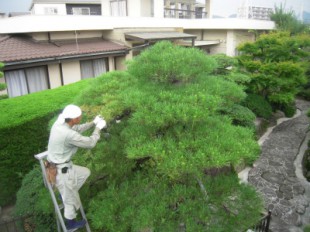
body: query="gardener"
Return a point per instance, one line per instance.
(64, 141)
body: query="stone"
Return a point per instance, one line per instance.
(300, 209)
(294, 219)
(273, 177)
(285, 202)
(285, 188)
(278, 114)
(288, 195)
(299, 189)
(279, 194)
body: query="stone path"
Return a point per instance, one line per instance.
(274, 174)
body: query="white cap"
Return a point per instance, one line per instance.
(70, 111)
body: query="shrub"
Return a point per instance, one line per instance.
(275, 62)
(308, 113)
(34, 201)
(19, 110)
(288, 109)
(4, 96)
(307, 228)
(241, 116)
(258, 105)
(224, 64)
(305, 93)
(157, 205)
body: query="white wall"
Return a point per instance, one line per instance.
(231, 43)
(134, 8)
(146, 8)
(39, 9)
(158, 9)
(54, 75)
(235, 37)
(105, 8)
(71, 72)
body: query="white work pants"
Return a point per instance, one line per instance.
(68, 185)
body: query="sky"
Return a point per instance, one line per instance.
(220, 7)
(229, 7)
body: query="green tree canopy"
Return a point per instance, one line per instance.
(275, 63)
(287, 21)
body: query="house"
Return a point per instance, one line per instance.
(55, 50)
(33, 65)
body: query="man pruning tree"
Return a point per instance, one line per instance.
(64, 141)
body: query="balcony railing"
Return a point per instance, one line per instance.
(184, 14)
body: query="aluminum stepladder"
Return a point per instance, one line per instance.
(58, 207)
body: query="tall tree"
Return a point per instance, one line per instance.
(287, 21)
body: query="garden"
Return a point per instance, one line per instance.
(180, 126)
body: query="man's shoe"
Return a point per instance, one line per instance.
(73, 224)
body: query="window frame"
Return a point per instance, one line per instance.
(24, 70)
(81, 10)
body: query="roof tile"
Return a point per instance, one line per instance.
(21, 48)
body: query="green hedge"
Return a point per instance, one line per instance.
(258, 105)
(24, 132)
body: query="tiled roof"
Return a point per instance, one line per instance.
(21, 48)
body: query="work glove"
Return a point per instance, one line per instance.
(97, 119)
(101, 124)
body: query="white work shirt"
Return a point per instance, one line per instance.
(64, 141)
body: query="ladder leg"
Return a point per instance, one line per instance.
(57, 209)
(84, 217)
(58, 223)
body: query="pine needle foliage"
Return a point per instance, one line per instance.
(166, 127)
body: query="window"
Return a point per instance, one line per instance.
(50, 11)
(93, 68)
(25, 81)
(81, 10)
(118, 7)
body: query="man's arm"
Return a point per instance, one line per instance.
(79, 140)
(83, 127)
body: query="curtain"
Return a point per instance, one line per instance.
(99, 67)
(24, 81)
(86, 69)
(118, 8)
(37, 79)
(16, 83)
(92, 68)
